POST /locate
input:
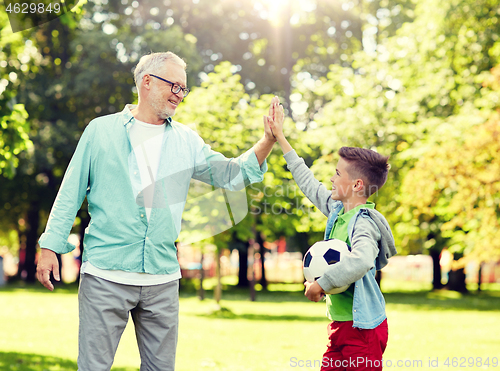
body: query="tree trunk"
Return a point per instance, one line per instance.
(287, 59)
(436, 269)
(218, 287)
(251, 254)
(84, 222)
(260, 241)
(479, 277)
(201, 291)
(33, 222)
(21, 271)
(243, 265)
(456, 281)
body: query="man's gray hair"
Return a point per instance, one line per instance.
(152, 63)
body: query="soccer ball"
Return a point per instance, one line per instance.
(320, 256)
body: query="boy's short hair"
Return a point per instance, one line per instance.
(368, 165)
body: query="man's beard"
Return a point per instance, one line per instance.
(160, 107)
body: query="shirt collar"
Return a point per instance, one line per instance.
(129, 118)
(347, 216)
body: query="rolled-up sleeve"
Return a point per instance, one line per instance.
(250, 166)
(69, 199)
(229, 173)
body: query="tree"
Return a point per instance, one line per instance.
(39, 71)
(463, 192)
(14, 126)
(264, 40)
(400, 98)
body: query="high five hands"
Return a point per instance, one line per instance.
(273, 124)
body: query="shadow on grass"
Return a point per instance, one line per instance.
(60, 288)
(36, 362)
(234, 293)
(261, 297)
(417, 299)
(225, 313)
(410, 300)
(444, 300)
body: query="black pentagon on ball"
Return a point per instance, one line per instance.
(332, 256)
(307, 260)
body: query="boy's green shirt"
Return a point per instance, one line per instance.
(339, 306)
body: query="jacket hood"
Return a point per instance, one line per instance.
(387, 245)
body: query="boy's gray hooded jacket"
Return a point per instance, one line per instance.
(372, 244)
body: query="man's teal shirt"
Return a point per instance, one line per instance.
(104, 169)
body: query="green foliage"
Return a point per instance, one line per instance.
(9, 241)
(13, 134)
(417, 88)
(462, 192)
(263, 39)
(441, 205)
(14, 126)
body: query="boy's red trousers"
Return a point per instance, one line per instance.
(352, 348)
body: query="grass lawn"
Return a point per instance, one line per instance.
(280, 331)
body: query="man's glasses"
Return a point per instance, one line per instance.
(175, 88)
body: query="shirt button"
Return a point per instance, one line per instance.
(354, 310)
(147, 238)
(142, 215)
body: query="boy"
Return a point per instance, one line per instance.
(358, 331)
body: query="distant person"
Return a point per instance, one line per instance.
(135, 167)
(358, 332)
